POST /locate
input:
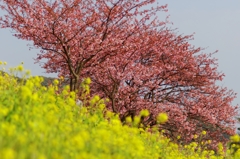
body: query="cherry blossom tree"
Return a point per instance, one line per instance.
(133, 59)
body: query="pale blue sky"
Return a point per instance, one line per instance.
(216, 24)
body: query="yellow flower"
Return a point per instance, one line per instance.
(5, 63)
(28, 72)
(136, 120)
(55, 82)
(72, 95)
(220, 147)
(235, 138)
(78, 141)
(162, 118)
(67, 87)
(102, 106)
(64, 92)
(61, 78)
(195, 136)
(144, 113)
(88, 80)
(41, 156)
(128, 119)
(4, 111)
(94, 100)
(204, 132)
(8, 153)
(87, 89)
(29, 84)
(109, 114)
(209, 141)
(20, 68)
(25, 92)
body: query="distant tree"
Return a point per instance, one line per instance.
(132, 58)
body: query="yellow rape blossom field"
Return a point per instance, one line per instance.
(38, 123)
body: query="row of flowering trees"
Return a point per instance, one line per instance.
(133, 59)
